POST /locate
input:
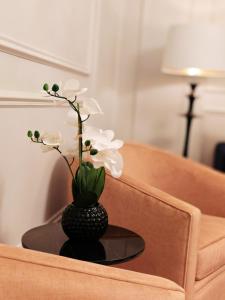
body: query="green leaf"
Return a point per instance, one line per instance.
(89, 164)
(88, 184)
(29, 133)
(100, 181)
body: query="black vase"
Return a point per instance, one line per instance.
(84, 224)
(88, 251)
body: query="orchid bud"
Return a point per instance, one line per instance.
(55, 87)
(36, 134)
(29, 133)
(45, 87)
(87, 143)
(93, 151)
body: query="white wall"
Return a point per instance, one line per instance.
(161, 99)
(52, 41)
(114, 48)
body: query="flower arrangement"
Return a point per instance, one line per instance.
(94, 148)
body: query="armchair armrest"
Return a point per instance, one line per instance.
(168, 225)
(27, 274)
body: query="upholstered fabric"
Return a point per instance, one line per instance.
(211, 287)
(168, 225)
(31, 275)
(162, 196)
(183, 178)
(211, 254)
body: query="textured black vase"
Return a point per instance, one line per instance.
(84, 224)
(88, 251)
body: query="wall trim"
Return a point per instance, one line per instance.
(24, 99)
(214, 110)
(17, 48)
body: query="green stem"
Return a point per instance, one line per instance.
(66, 160)
(80, 131)
(57, 149)
(71, 103)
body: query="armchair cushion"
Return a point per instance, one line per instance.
(211, 254)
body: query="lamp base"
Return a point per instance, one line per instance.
(189, 116)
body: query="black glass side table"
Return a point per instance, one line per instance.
(116, 246)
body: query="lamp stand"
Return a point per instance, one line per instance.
(189, 116)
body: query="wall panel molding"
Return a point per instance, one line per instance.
(23, 99)
(214, 110)
(17, 48)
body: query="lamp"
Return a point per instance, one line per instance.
(194, 50)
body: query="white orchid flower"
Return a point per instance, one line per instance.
(51, 140)
(101, 139)
(70, 150)
(111, 160)
(107, 155)
(71, 89)
(87, 106)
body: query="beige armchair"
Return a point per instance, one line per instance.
(178, 206)
(31, 275)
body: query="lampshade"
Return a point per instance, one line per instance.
(195, 50)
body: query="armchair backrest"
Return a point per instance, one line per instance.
(173, 174)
